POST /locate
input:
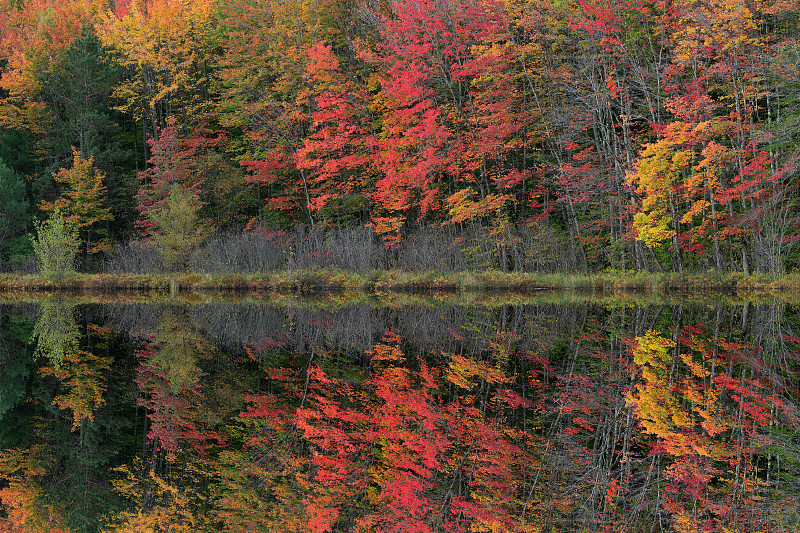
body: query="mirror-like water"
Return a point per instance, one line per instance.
(547, 417)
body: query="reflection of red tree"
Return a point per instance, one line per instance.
(463, 443)
(173, 412)
(410, 448)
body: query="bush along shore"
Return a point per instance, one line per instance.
(321, 281)
(355, 259)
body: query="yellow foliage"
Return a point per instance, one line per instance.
(651, 346)
(167, 42)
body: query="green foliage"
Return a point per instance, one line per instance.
(179, 351)
(14, 212)
(56, 332)
(344, 210)
(179, 229)
(19, 250)
(15, 360)
(56, 246)
(79, 85)
(230, 202)
(15, 150)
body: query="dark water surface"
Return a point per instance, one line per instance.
(545, 417)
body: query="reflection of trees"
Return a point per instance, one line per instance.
(412, 444)
(21, 465)
(54, 476)
(169, 377)
(668, 422)
(80, 371)
(56, 332)
(169, 497)
(22, 471)
(166, 486)
(357, 328)
(15, 362)
(534, 418)
(596, 434)
(709, 399)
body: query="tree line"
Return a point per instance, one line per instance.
(646, 135)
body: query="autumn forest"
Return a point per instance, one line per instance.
(236, 143)
(554, 136)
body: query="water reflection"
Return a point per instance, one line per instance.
(74, 357)
(527, 418)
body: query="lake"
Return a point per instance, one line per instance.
(567, 414)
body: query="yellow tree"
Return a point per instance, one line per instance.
(270, 94)
(655, 177)
(708, 415)
(720, 75)
(679, 183)
(82, 202)
(168, 44)
(55, 246)
(162, 502)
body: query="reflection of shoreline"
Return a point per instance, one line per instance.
(357, 328)
(450, 328)
(335, 284)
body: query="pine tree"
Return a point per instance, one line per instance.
(13, 206)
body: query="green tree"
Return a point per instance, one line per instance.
(14, 214)
(179, 230)
(77, 87)
(56, 246)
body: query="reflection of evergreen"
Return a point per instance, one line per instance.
(16, 363)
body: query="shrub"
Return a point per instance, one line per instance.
(56, 246)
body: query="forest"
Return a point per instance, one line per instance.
(527, 135)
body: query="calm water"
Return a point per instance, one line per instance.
(547, 417)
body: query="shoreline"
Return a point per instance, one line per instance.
(326, 282)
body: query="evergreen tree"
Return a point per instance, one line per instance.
(179, 230)
(14, 212)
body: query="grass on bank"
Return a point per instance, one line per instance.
(327, 281)
(321, 288)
